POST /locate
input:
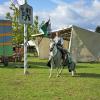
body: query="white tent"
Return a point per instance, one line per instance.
(84, 45)
(32, 43)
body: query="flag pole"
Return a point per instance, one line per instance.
(25, 47)
(25, 18)
(25, 1)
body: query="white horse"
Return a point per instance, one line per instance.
(56, 60)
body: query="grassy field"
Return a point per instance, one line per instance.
(14, 85)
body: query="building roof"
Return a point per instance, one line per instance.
(65, 33)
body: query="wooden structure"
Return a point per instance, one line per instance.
(6, 49)
(43, 42)
(17, 55)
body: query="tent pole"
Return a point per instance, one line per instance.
(70, 42)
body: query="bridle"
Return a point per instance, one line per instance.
(51, 49)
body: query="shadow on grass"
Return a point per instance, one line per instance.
(12, 65)
(88, 75)
(82, 75)
(85, 66)
(38, 65)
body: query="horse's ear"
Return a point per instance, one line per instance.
(50, 40)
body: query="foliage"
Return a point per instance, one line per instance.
(8, 16)
(98, 29)
(42, 23)
(36, 25)
(18, 29)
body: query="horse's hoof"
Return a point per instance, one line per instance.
(49, 77)
(72, 73)
(26, 73)
(75, 71)
(58, 76)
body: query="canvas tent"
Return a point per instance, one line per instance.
(84, 45)
(32, 43)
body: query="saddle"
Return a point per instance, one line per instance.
(64, 53)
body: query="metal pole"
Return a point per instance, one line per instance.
(25, 1)
(25, 48)
(70, 42)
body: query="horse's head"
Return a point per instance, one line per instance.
(52, 45)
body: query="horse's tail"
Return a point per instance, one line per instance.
(71, 66)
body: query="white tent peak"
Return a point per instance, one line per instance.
(83, 41)
(31, 43)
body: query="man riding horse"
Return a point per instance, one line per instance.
(59, 43)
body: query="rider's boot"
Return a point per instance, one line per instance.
(63, 58)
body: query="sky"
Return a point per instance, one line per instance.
(62, 13)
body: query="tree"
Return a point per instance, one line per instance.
(36, 25)
(97, 29)
(18, 29)
(8, 16)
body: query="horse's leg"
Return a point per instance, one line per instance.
(57, 72)
(73, 68)
(51, 69)
(72, 73)
(58, 65)
(61, 70)
(50, 72)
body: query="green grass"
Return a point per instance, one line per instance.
(14, 85)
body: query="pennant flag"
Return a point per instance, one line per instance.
(14, 2)
(46, 28)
